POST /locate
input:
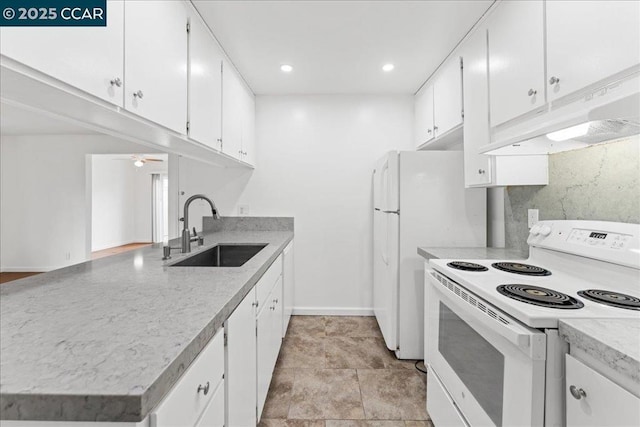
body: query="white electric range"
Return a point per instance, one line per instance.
(492, 346)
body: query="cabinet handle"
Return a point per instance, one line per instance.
(429, 131)
(275, 301)
(435, 128)
(273, 307)
(204, 389)
(481, 171)
(554, 80)
(577, 393)
(254, 304)
(138, 94)
(116, 82)
(532, 92)
(219, 139)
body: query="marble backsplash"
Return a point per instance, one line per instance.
(600, 182)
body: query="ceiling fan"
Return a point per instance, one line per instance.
(140, 160)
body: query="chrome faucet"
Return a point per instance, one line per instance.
(186, 235)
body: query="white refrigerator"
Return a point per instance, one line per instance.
(419, 199)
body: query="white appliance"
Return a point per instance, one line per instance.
(419, 200)
(493, 351)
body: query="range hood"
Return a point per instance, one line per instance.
(597, 115)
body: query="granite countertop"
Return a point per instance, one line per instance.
(105, 340)
(470, 253)
(615, 342)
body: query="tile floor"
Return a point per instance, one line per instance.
(337, 372)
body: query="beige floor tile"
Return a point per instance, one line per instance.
(352, 326)
(357, 352)
(308, 326)
(302, 352)
(290, 423)
(279, 396)
(393, 394)
(363, 423)
(326, 394)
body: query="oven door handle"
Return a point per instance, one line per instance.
(531, 342)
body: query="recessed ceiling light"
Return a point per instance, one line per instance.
(286, 68)
(388, 67)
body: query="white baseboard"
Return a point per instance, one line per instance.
(332, 311)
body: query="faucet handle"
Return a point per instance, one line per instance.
(195, 233)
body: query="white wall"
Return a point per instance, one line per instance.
(45, 198)
(316, 156)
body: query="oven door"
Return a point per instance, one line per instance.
(491, 366)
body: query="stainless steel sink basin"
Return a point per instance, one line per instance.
(232, 255)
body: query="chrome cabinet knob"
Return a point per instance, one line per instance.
(554, 80)
(435, 128)
(219, 140)
(204, 389)
(254, 304)
(273, 307)
(481, 171)
(138, 94)
(116, 82)
(577, 393)
(429, 131)
(275, 301)
(532, 92)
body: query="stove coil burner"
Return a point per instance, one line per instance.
(614, 299)
(539, 296)
(526, 269)
(467, 266)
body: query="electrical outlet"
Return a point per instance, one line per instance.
(243, 210)
(532, 217)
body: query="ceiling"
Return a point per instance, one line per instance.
(339, 47)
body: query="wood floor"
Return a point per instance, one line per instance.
(11, 276)
(337, 372)
(118, 250)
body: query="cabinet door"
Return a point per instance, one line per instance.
(604, 403)
(241, 363)
(588, 41)
(516, 60)
(477, 167)
(264, 350)
(447, 96)
(248, 126)
(232, 96)
(288, 285)
(156, 62)
(205, 85)
(213, 415)
(423, 111)
(89, 58)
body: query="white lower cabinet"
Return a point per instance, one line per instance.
(187, 401)
(594, 400)
(213, 415)
(269, 326)
(288, 285)
(241, 363)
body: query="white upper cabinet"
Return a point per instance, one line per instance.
(588, 41)
(423, 110)
(156, 62)
(205, 85)
(477, 167)
(447, 95)
(89, 58)
(516, 60)
(238, 116)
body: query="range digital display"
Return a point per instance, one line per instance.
(598, 235)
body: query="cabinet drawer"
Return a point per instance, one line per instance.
(184, 404)
(213, 415)
(267, 282)
(601, 402)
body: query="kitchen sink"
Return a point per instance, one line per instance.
(232, 255)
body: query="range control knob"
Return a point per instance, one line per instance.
(535, 230)
(545, 230)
